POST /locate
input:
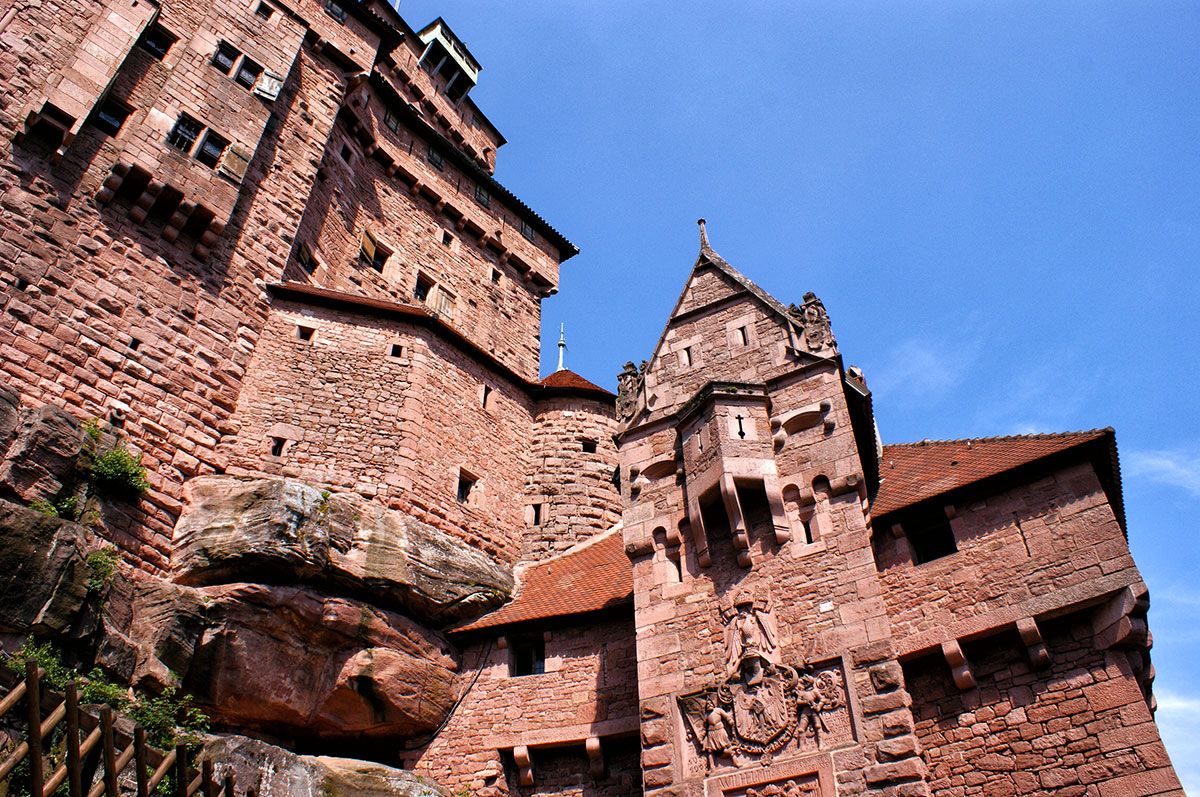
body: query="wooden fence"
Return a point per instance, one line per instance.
(95, 747)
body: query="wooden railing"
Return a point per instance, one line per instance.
(95, 747)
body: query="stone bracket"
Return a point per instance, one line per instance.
(524, 764)
(960, 668)
(1035, 646)
(1122, 621)
(595, 756)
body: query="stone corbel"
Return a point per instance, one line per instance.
(779, 520)
(1122, 621)
(595, 756)
(960, 668)
(141, 208)
(524, 765)
(737, 521)
(108, 188)
(1035, 646)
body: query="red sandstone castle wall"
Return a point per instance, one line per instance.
(1080, 727)
(589, 688)
(83, 281)
(575, 488)
(395, 428)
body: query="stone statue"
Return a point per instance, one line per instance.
(627, 382)
(751, 636)
(815, 320)
(717, 726)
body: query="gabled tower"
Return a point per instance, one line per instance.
(763, 644)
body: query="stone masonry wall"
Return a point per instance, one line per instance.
(102, 313)
(589, 687)
(1079, 728)
(574, 487)
(1053, 540)
(399, 429)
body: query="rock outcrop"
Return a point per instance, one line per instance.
(282, 530)
(40, 450)
(43, 571)
(274, 772)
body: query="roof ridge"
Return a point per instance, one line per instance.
(581, 546)
(1003, 438)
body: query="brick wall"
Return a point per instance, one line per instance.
(589, 687)
(574, 487)
(1079, 728)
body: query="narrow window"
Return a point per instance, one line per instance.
(435, 159)
(277, 444)
(743, 337)
(184, 134)
(422, 288)
(157, 40)
(447, 238)
(211, 150)
(466, 484)
(589, 446)
(535, 515)
(397, 350)
(482, 196)
(224, 57)
(930, 534)
(247, 74)
(686, 356)
(674, 565)
(528, 656)
(391, 120)
(304, 257)
(110, 116)
(495, 276)
(134, 344)
(304, 333)
(371, 252)
(527, 230)
(335, 10)
(264, 11)
(808, 530)
(485, 396)
(345, 153)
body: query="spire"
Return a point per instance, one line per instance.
(562, 345)
(704, 245)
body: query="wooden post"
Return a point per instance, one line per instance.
(181, 776)
(109, 751)
(207, 784)
(139, 761)
(33, 698)
(74, 763)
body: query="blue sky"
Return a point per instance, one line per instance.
(999, 204)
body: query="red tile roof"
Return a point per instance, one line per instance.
(569, 380)
(913, 472)
(596, 575)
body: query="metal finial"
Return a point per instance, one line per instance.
(703, 234)
(562, 344)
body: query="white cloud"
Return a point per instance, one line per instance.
(923, 370)
(1174, 468)
(1178, 720)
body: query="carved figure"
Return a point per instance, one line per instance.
(815, 320)
(750, 634)
(627, 391)
(718, 724)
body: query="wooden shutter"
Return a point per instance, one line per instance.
(234, 163)
(268, 85)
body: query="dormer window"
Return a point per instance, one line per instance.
(448, 61)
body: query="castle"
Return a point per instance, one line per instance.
(260, 243)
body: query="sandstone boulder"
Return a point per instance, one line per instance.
(286, 660)
(238, 529)
(43, 571)
(43, 456)
(274, 772)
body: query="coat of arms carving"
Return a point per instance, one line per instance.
(762, 706)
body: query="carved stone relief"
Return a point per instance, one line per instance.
(815, 320)
(763, 708)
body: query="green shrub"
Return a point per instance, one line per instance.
(102, 563)
(99, 689)
(167, 714)
(91, 428)
(43, 506)
(119, 474)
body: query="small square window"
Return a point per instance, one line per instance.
(528, 656)
(929, 533)
(371, 252)
(134, 344)
(495, 276)
(527, 230)
(225, 56)
(391, 120)
(184, 134)
(447, 238)
(466, 486)
(247, 74)
(535, 514)
(211, 149)
(397, 350)
(345, 153)
(277, 446)
(423, 287)
(482, 196)
(686, 356)
(335, 10)
(157, 40)
(589, 446)
(264, 11)
(304, 333)
(435, 159)
(110, 116)
(742, 336)
(304, 257)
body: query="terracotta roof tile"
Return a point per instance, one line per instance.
(913, 472)
(568, 379)
(595, 575)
